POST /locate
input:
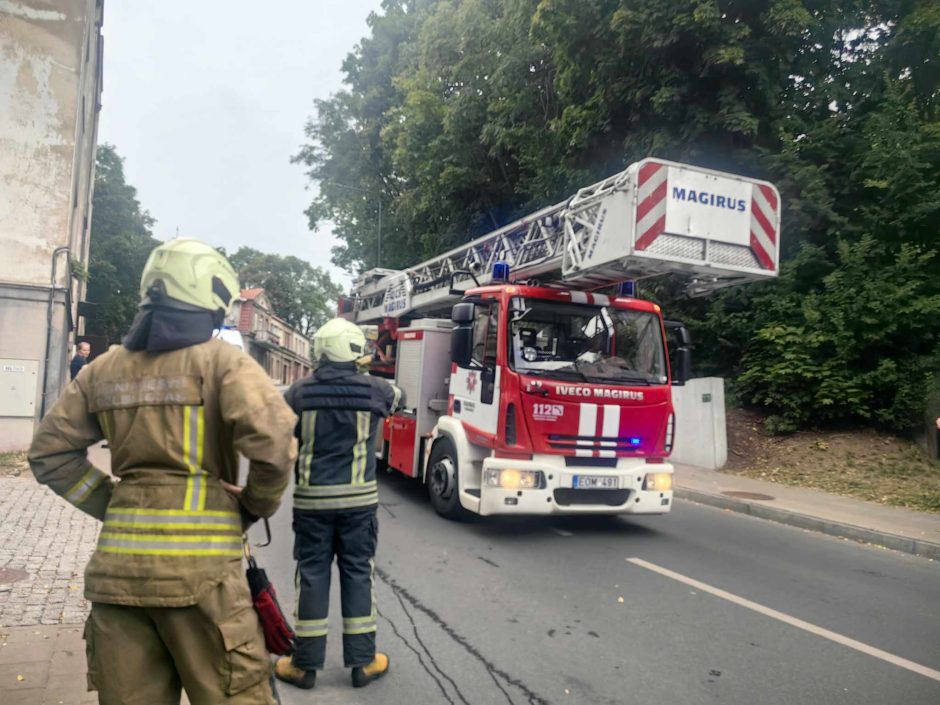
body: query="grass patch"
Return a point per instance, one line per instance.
(13, 464)
(12, 459)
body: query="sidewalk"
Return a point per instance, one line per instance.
(893, 527)
(44, 546)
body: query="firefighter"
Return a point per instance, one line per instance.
(171, 608)
(335, 499)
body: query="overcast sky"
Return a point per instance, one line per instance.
(206, 100)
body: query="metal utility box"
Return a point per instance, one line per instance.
(19, 381)
(422, 370)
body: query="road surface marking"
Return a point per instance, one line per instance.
(562, 532)
(792, 621)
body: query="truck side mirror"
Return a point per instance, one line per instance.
(680, 331)
(462, 313)
(684, 363)
(681, 359)
(461, 341)
(461, 344)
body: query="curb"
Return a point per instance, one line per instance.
(917, 547)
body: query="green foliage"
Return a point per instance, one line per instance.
(301, 294)
(121, 241)
(858, 347)
(79, 271)
(461, 115)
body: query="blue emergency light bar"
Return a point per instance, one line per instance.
(627, 289)
(500, 272)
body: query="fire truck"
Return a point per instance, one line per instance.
(537, 382)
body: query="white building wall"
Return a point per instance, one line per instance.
(50, 83)
(701, 430)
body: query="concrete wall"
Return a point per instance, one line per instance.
(50, 85)
(701, 432)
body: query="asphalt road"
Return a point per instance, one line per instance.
(536, 611)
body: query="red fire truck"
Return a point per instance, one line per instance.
(529, 391)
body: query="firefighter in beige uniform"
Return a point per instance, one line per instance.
(171, 608)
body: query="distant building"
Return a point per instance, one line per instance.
(280, 349)
(50, 88)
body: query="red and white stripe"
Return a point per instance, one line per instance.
(585, 297)
(590, 424)
(652, 192)
(652, 188)
(764, 217)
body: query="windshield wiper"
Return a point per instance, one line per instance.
(619, 379)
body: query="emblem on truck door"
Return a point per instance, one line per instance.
(471, 382)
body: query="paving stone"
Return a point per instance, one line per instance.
(51, 540)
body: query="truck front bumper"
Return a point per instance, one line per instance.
(623, 491)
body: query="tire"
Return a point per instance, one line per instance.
(443, 481)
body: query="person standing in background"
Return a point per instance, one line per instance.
(82, 351)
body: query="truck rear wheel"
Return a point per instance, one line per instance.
(442, 481)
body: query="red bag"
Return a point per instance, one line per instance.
(278, 634)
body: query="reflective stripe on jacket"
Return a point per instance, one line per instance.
(340, 410)
(175, 422)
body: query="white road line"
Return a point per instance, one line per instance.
(562, 532)
(792, 621)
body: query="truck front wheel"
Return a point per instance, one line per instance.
(442, 480)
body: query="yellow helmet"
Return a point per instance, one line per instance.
(189, 272)
(339, 340)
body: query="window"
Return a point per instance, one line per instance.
(484, 336)
(591, 343)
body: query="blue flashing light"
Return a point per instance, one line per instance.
(635, 441)
(627, 289)
(500, 272)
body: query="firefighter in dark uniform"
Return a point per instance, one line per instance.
(340, 409)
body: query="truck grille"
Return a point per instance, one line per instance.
(614, 443)
(611, 498)
(575, 461)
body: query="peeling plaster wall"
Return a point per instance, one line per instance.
(50, 86)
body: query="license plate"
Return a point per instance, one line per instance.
(594, 482)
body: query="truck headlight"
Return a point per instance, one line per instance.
(658, 481)
(512, 479)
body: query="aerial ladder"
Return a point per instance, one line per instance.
(529, 390)
(638, 223)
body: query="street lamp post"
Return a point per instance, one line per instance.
(378, 261)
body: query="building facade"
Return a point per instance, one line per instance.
(50, 88)
(283, 351)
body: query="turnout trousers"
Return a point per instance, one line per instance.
(214, 650)
(350, 535)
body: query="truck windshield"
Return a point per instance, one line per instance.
(598, 344)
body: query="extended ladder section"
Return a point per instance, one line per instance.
(656, 217)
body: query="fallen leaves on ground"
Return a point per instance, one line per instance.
(859, 463)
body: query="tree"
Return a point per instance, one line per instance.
(121, 241)
(461, 115)
(301, 294)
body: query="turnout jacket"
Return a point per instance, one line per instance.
(339, 411)
(174, 421)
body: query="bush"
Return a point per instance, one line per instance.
(863, 346)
